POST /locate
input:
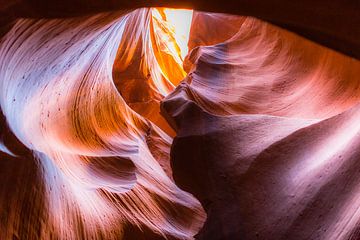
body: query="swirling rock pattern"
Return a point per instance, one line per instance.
(257, 136)
(97, 159)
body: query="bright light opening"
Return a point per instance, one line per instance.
(180, 22)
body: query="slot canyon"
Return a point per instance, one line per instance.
(153, 120)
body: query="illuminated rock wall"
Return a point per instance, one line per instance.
(99, 162)
(257, 136)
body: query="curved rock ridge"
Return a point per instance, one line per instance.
(267, 133)
(262, 69)
(95, 160)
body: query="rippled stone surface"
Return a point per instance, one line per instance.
(257, 136)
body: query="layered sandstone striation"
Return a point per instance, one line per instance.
(155, 123)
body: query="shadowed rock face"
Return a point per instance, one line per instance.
(265, 140)
(262, 177)
(257, 136)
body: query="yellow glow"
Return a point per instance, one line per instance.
(169, 37)
(180, 22)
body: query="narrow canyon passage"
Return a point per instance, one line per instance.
(160, 123)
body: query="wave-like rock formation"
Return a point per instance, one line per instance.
(98, 161)
(257, 136)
